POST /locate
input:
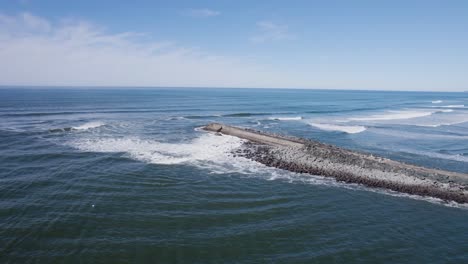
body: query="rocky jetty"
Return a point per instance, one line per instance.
(312, 157)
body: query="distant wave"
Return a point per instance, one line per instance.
(437, 101)
(217, 116)
(175, 118)
(96, 111)
(332, 127)
(394, 115)
(324, 111)
(45, 114)
(286, 118)
(452, 106)
(398, 115)
(423, 118)
(389, 116)
(89, 125)
(85, 126)
(245, 114)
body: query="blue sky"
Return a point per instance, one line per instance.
(383, 45)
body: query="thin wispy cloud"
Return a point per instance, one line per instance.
(202, 12)
(37, 51)
(23, 23)
(269, 31)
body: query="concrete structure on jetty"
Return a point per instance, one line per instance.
(307, 156)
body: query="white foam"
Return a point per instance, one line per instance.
(437, 101)
(175, 118)
(214, 153)
(332, 127)
(286, 118)
(453, 106)
(89, 125)
(394, 115)
(207, 151)
(439, 117)
(206, 147)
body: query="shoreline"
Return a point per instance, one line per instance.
(315, 158)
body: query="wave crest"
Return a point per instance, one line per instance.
(394, 115)
(89, 125)
(286, 118)
(86, 126)
(346, 129)
(453, 106)
(208, 151)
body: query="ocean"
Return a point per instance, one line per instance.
(125, 175)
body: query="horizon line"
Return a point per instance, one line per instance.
(216, 87)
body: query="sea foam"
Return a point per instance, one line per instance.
(332, 127)
(453, 106)
(394, 115)
(207, 151)
(89, 125)
(215, 154)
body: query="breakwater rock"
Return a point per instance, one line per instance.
(312, 157)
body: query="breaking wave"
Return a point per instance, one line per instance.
(244, 114)
(422, 118)
(286, 118)
(341, 128)
(89, 125)
(394, 115)
(207, 151)
(85, 126)
(452, 106)
(215, 153)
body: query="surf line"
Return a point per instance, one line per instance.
(315, 158)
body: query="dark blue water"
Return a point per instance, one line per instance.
(125, 176)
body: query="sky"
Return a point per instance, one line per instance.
(378, 45)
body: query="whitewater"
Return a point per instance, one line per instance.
(109, 168)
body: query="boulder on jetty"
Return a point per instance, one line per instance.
(312, 157)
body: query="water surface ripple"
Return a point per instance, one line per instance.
(124, 176)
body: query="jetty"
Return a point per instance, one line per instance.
(312, 157)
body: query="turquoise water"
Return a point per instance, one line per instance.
(125, 176)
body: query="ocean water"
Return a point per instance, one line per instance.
(125, 176)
